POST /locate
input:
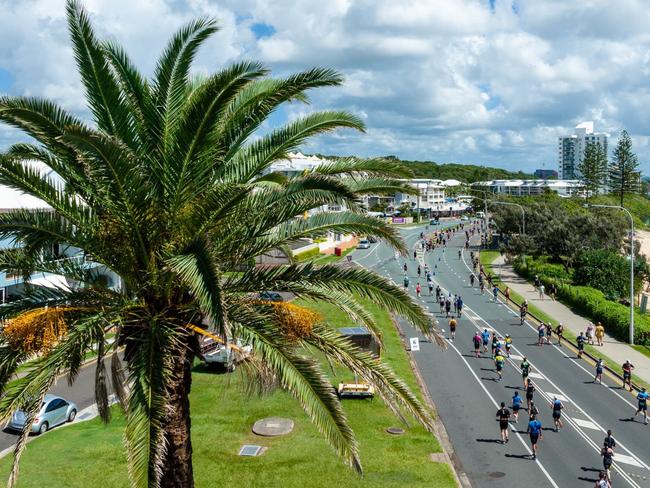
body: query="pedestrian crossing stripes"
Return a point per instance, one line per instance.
(586, 424)
(562, 398)
(537, 376)
(516, 357)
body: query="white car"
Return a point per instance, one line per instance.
(464, 217)
(363, 244)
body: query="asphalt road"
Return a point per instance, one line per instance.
(466, 391)
(82, 392)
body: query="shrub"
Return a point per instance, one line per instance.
(603, 269)
(310, 253)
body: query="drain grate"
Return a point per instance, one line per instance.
(250, 450)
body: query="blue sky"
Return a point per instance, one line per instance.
(473, 81)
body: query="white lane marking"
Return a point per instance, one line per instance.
(494, 402)
(516, 357)
(560, 397)
(586, 424)
(532, 374)
(622, 458)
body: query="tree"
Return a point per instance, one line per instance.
(623, 174)
(167, 190)
(593, 168)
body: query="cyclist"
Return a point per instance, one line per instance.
(477, 344)
(508, 344)
(535, 432)
(627, 373)
(581, 347)
(599, 371)
(503, 416)
(485, 336)
(642, 398)
(525, 369)
(499, 361)
(557, 414)
(452, 328)
(530, 389)
(516, 405)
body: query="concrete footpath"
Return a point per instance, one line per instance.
(612, 348)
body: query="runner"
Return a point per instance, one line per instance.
(602, 481)
(599, 371)
(471, 280)
(447, 306)
(516, 405)
(495, 343)
(549, 333)
(525, 369)
(441, 300)
(540, 334)
(454, 302)
(485, 336)
(507, 294)
(642, 398)
(508, 344)
(459, 305)
(503, 416)
(406, 282)
(415, 254)
(522, 313)
(482, 287)
(405, 268)
(499, 361)
(557, 414)
(495, 292)
(600, 333)
(452, 328)
(460, 254)
(530, 390)
(581, 344)
(438, 292)
(535, 432)
(533, 409)
(477, 344)
(609, 440)
(607, 453)
(418, 289)
(559, 331)
(627, 373)
(430, 283)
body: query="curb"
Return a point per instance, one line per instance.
(449, 454)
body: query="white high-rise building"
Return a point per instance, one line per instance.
(571, 149)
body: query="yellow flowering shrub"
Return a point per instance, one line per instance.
(37, 330)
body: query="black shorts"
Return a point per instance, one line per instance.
(607, 464)
(503, 424)
(534, 438)
(529, 396)
(626, 376)
(515, 408)
(643, 407)
(557, 414)
(499, 368)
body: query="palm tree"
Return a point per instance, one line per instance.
(168, 190)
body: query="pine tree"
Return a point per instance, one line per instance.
(593, 168)
(623, 174)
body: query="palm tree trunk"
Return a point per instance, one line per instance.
(177, 465)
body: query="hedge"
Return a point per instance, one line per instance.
(593, 304)
(310, 253)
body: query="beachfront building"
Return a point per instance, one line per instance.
(520, 188)
(571, 149)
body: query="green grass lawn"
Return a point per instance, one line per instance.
(487, 257)
(91, 454)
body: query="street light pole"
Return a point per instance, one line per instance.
(619, 207)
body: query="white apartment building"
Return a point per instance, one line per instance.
(521, 188)
(431, 196)
(571, 149)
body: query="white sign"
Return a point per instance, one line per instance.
(415, 344)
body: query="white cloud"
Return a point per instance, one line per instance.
(450, 80)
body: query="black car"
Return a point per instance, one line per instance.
(271, 296)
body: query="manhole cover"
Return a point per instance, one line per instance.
(273, 426)
(395, 430)
(497, 474)
(249, 450)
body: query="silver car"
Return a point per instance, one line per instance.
(54, 411)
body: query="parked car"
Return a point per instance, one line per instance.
(363, 244)
(54, 411)
(464, 217)
(271, 296)
(220, 355)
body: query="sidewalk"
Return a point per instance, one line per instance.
(614, 349)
